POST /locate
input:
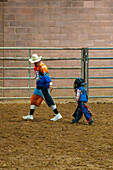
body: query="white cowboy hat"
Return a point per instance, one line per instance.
(35, 58)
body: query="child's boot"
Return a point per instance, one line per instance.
(74, 121)
(91, 121)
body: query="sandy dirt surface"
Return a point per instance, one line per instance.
(42, 144)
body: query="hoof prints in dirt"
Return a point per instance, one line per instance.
(44, 144)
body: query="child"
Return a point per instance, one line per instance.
(81, 99)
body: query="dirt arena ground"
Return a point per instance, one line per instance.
(42, 144)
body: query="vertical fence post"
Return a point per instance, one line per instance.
(29, 74)
(82, 63)
(87, 71)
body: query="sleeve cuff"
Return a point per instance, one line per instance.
(51, 84)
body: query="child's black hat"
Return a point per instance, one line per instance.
(78, 83)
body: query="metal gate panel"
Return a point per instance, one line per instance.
(29, 68)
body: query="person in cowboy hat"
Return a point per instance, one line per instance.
(43, 87)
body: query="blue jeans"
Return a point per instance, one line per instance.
(85, 110)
